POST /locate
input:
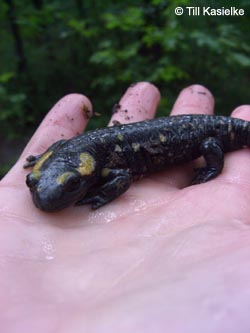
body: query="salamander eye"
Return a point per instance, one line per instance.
(31, 180)
(72, 184)
(69, 181)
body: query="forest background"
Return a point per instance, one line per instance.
(52, 48)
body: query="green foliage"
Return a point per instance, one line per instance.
(99, 48)
(11, 104)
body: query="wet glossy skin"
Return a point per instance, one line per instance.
(98, 166)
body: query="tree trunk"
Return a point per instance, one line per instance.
(21, 60)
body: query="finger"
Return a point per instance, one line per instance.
(139, 102)
(195, 99)
(66, 119)
(236, 169)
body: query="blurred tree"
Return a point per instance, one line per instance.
(21, 60)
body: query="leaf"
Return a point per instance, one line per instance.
(240, 59)
(6, 77)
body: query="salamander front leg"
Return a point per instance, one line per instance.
(211, 149)
(33, 159)
(117, 182)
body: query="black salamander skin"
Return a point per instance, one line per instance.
(98, 166)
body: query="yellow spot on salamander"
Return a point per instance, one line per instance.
(39, 188)
(232, 136)
(87, 164)
(135, 146)
(162, 137)
(231, 131)
(36, 172)
(63, 177)
(118, 149)
(105, 172)
(120, 137)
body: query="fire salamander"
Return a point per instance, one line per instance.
(98, 166)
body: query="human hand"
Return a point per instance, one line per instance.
(164, 255)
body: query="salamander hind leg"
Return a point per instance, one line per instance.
(211, 149)
(116, 183)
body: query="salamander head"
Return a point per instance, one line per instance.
(57, 185)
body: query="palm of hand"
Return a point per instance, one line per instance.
(159, 255)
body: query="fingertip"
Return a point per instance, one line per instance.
(242, 111)
(76, 99)
(195, 99)
(138, 103)
(236, 170)
(67, 118)
(72, 111)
